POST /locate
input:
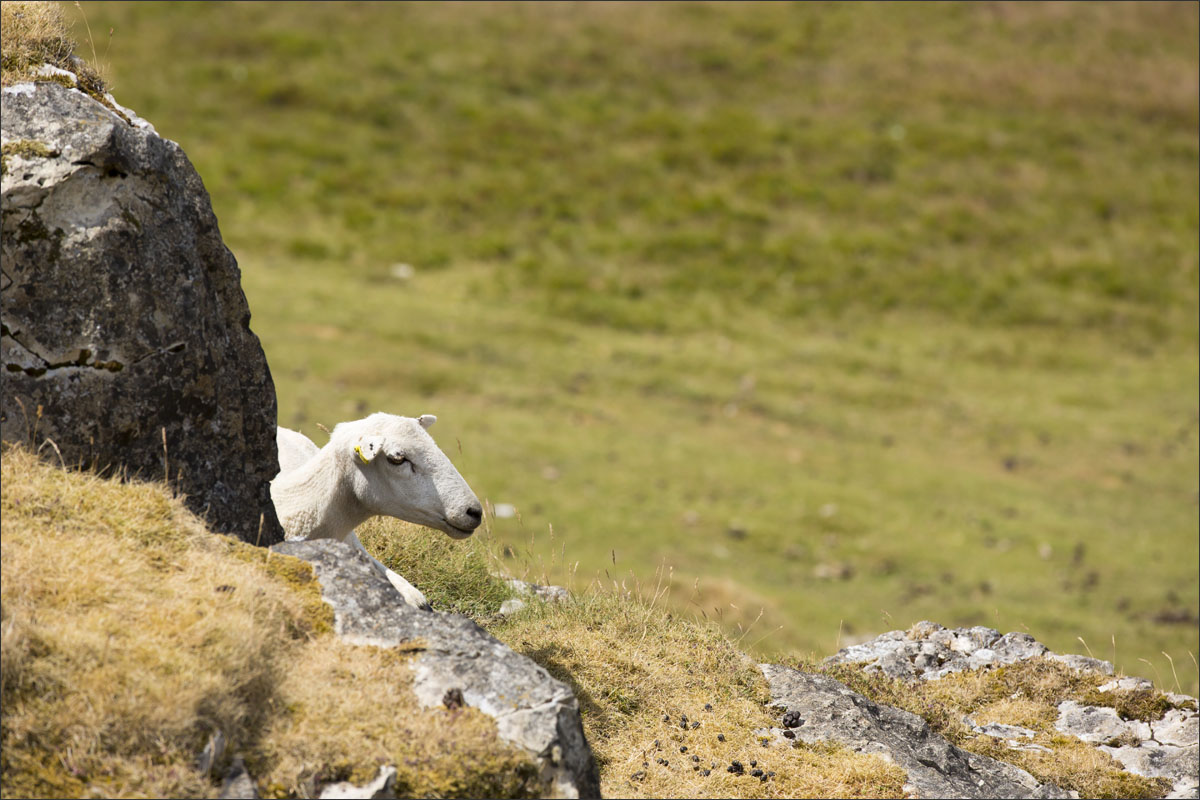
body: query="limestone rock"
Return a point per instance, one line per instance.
(1179, 764)
(124, 320)
(238, 783)
(930, 651)
(1166, 748)
(936, 768)
(379, 789)
(532, 709)
(1083, 663)
(549, 594)
(1098, 724)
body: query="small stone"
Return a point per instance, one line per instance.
(511, 606)
(453, 699)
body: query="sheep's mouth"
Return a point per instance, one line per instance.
(455, 532)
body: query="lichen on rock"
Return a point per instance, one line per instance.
(125, 334)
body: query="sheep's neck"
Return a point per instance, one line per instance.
(316, 501)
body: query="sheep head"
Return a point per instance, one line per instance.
(398, 471)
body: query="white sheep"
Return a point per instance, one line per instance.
(382, 465)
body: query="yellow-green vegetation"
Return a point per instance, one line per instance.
(631, 663)
(131, 635)
(26, 148)
(1028, 694)
(35, 33)
(454, 575)
(864, 314)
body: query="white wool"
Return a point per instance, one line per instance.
(383, 465)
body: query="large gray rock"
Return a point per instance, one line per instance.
(831, 712)
(532, 710)
(124, 320)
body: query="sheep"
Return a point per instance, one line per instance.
(381, 465)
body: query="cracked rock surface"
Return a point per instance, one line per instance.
(1165, 748)
(533, 710)
(123, 313)
(831, 712)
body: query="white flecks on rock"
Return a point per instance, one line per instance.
(511, 606)
(1125, 684)
(50, 71)
(378, 788)
(1166, 748)
(1177, 727)
(20, 88)
(999, 730)
(134, 119)
(1178, 764)
(1083, 663)
(1098, 724)
(930, 651)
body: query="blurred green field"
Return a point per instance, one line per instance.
(853, 314)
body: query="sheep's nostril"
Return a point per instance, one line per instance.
(475, 514)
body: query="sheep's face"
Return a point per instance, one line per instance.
(400, 472)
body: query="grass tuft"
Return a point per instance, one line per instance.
(33, 33)
(131, 634)
(631, 662)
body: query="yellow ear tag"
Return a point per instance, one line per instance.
(360, 455)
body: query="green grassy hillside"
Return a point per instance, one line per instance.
(857, 314)
(130, 634)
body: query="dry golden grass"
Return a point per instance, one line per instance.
(36, 33)
(131, 634)
(631, 663)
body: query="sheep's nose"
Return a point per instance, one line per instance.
(476, 514)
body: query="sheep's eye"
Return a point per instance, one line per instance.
(398, 460)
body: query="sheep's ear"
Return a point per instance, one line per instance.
(368, 447)
(426, 420)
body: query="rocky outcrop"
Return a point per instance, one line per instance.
(827, 711)
(930, 651)
(458, 662)
(1168, 747)
(1165, 748)
(126, 342)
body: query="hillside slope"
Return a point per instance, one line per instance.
(131, 635)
